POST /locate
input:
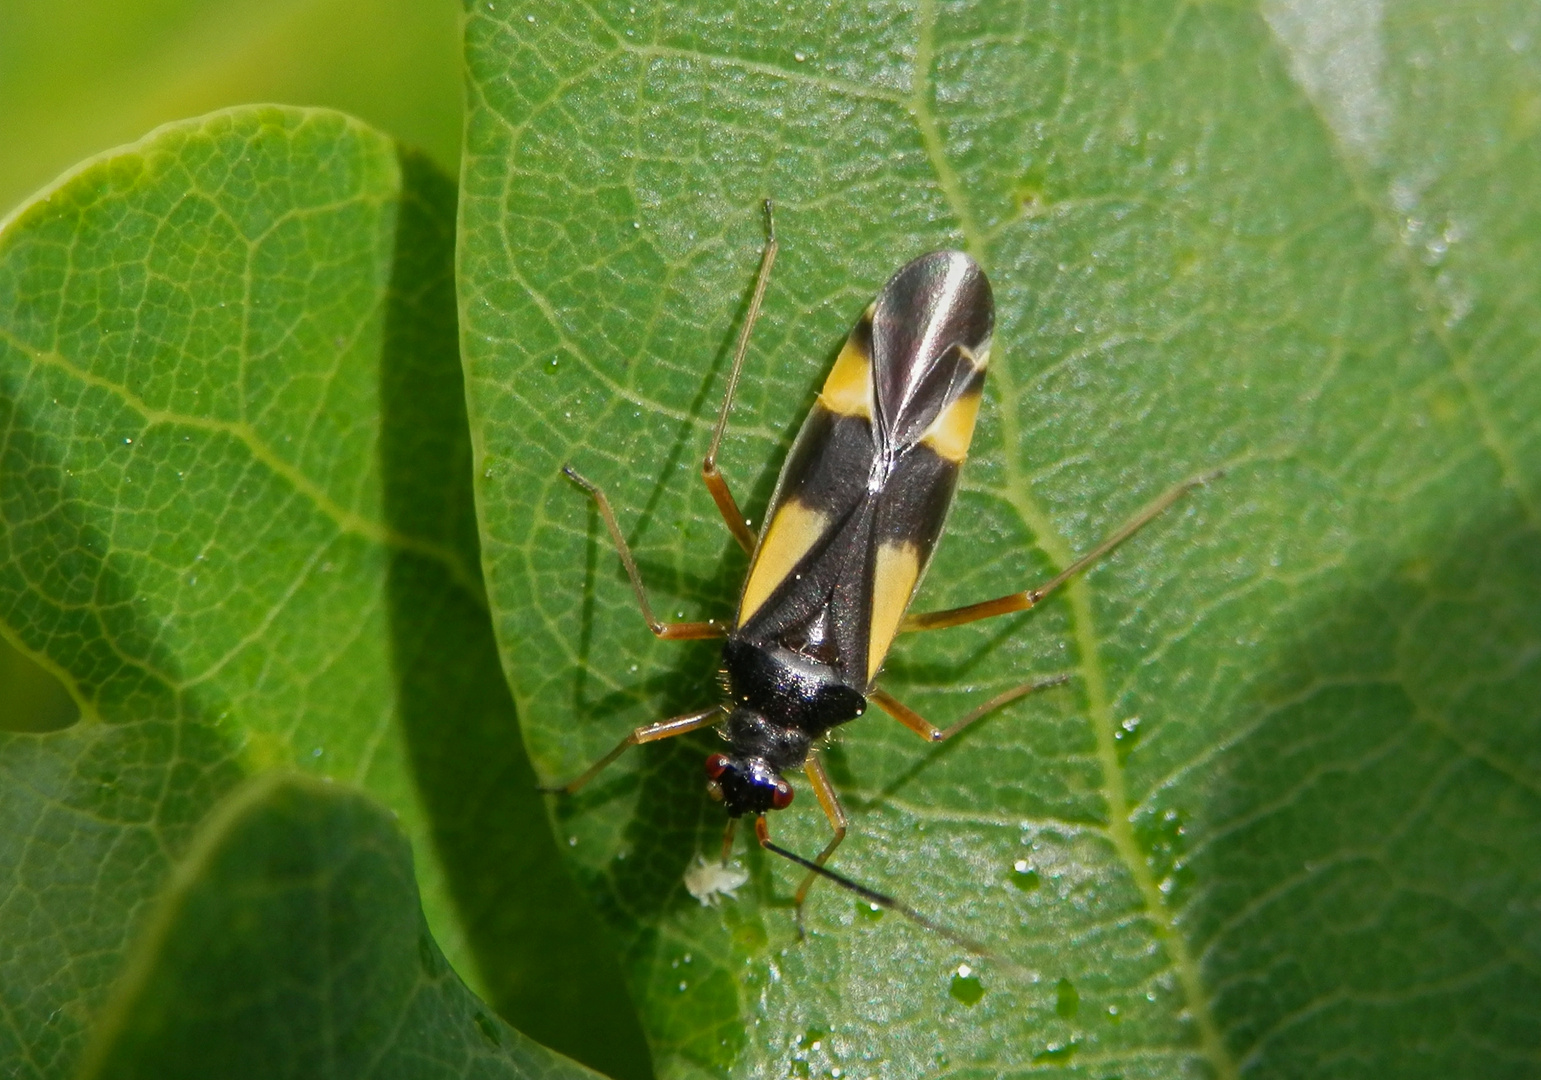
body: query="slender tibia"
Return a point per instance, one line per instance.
(1021, 601)
(931, 733)
(716, 483)
(818, 779)
(677, 631)
(663, 729)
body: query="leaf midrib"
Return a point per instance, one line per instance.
(1119, 830)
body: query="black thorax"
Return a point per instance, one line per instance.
(780, 702)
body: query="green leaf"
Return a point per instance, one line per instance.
(77, 76)
(235, 520)
(290, 943)
(34, 700)
(1286, 819)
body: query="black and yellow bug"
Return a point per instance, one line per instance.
(855, 518)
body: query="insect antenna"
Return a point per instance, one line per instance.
(883, 900)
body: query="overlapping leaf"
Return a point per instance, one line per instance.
(235, 520)
(291, 944)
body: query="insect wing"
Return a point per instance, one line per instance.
(864, 493)
(930, 342)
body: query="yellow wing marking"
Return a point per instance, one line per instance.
(848, 390)
(953, 429)
(893, 583)
(792, 532)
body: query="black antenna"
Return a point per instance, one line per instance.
(883, 900)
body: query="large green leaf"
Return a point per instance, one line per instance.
(1286, 820)
(291, 944)
(235, 519)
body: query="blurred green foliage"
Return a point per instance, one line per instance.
(81, 76)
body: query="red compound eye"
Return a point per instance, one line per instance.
(783, 797)
(716, 765)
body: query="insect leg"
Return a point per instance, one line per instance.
(679, 631)
(931, 733)
(1021, 601)
(819, 780)
(647, 733)
(716, 483)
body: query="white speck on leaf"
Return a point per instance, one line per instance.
(708, 882)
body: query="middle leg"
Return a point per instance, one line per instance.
(1028, 598)
(670, 631)
(931, 733)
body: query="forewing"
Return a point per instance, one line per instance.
(806, 588)
(864, 494)
(929, 333)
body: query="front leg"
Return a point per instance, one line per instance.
(818, 779)
(663, 729)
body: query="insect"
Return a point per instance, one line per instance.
(709, 881)
(855, 518)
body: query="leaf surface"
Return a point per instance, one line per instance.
(1286, 819)
(235, 520)
(291, 943)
